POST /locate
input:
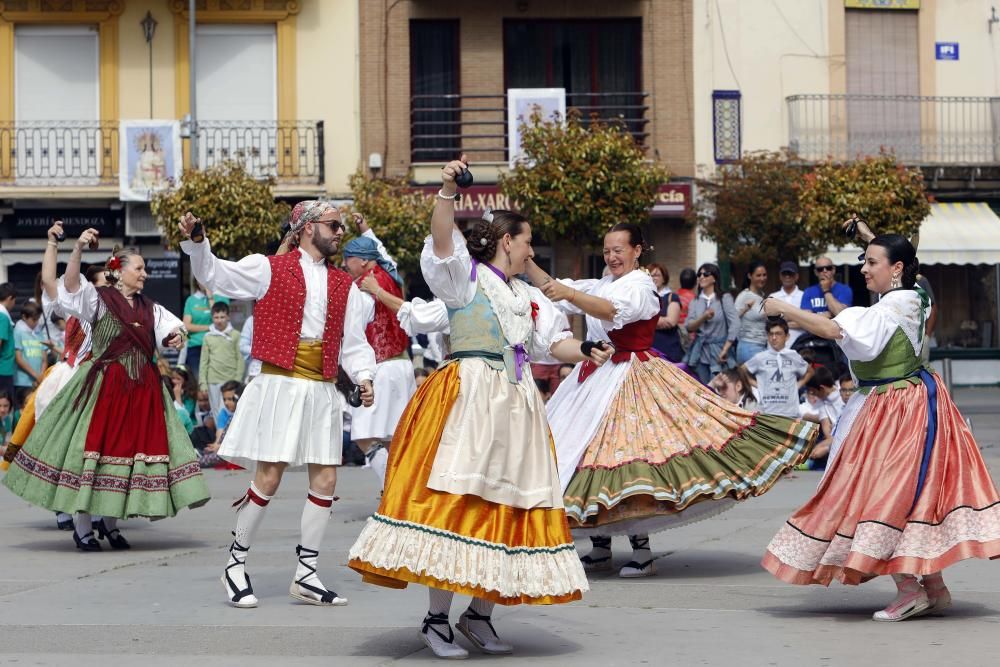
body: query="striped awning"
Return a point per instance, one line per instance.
(953, 233)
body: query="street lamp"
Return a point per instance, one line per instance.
(148, 30)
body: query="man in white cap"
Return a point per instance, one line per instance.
(790, 293)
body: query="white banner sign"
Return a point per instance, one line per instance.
(149, 157)
(521, 103)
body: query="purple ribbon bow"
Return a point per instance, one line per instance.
(520, 358)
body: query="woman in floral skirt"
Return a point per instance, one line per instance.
(642, 446)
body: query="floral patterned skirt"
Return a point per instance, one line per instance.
(668, 451)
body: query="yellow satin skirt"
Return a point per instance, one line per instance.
(460, 543)
(24, 426)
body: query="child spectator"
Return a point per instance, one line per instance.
(420, 375)
(230, 397)
(8, 421)
(847, 387)
(829, 403)
(230, 392)
(735, 385)
(779, 372)
(30, 352)
(57, 334)
(7, 365)
(221, 361)
(181, 377)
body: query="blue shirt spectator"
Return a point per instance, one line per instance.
(827, 296)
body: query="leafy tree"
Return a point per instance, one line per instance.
(397, 213)
(579, 178)
(239, 212)
(751, 210)
(767, 207)
(888, 195)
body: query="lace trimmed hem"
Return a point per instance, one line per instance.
(391, 544)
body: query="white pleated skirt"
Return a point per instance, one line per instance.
(394, 385)
(58, 377)
(289, 420)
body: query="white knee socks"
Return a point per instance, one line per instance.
(249, 515)
(315, 517)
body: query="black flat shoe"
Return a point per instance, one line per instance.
(64, 524)
(87, 542)
(114, 537)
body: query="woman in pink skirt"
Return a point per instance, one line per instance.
(906, 492)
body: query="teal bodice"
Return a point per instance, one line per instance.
(475, 329)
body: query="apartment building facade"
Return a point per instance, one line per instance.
(276, 89)
(435, 77)
(843, 79)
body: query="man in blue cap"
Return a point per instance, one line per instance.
(372, 428)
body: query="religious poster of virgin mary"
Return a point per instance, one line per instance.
(149, 157)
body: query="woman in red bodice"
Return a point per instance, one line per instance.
(641, 445)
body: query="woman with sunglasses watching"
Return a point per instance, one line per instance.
(643, 446)
(713, 319)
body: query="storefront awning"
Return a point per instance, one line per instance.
(953, 233)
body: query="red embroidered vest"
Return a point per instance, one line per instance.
(75, 336)
(384, 334)
(278, 315)
(635, 337)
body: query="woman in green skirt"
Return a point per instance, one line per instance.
(111, 443)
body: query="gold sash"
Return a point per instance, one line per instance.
(308, 363)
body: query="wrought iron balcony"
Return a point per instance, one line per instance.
(290, 152)
(919, 130)
(85, 153)
(442, 126)
(66, 153)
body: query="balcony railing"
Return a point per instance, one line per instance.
(67, 153)
(441, 126)
(291, 152)
(919, 130)
(85, 153)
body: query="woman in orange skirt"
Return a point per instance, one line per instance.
(906, 493)
(472, 502)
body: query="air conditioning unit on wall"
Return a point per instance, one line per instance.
(139, 220)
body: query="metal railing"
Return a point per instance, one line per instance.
(85, 153)
(441, 126)
(919, 130)
(68, 153)
(291, 152)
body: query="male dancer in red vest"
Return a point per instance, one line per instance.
(372, 428)
(309, 319)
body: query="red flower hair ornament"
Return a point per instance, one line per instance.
(114, 264)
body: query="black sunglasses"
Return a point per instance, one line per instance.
(825, 268)
(334, 224)
(702, 274)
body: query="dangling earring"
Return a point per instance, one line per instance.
(895, 284)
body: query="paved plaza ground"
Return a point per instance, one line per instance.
(710, 602)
